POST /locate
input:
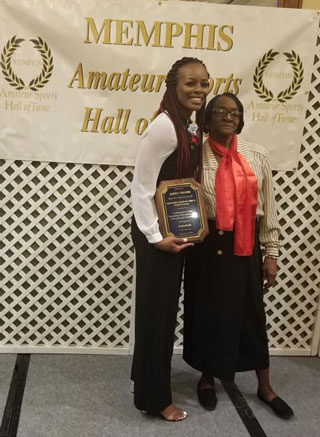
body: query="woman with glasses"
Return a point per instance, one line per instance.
(224, 319)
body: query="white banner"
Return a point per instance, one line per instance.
(80, 80)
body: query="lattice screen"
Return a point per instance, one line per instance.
(68, 257)
(67, 274)
(293, 306)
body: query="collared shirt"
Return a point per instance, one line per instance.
(258, 159)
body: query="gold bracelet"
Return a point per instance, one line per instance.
(271, 257)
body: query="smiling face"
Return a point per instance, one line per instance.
(192, 88)
(222, 127)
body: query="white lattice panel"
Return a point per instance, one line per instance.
(293, 306)
(67, 256)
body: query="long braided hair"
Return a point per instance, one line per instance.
(170, 104)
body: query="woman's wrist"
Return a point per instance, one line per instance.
(271, 257)
(271, 252)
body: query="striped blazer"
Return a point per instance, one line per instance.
(258, 159)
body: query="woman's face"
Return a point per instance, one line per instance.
(192, 88)
(224, 118)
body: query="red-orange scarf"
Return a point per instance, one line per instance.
(236, 193)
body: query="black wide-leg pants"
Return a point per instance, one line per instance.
(158, 281)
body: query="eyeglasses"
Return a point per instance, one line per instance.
(222, 113)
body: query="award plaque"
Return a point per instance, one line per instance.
(181, 209)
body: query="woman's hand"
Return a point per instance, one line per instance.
(269, 272)
(172, 244)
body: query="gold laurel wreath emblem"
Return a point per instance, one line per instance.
(15, 81)
(266, 94)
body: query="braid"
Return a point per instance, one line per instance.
(200, 120)
(169, 104)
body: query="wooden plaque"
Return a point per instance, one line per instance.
(181, 209)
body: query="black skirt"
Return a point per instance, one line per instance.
(224, 317)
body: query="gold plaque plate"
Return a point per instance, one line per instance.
(181, 209)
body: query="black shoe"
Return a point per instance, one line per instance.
(279, 406)
(207, 397)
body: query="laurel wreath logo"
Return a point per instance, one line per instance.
(266, 94)
(15, 81)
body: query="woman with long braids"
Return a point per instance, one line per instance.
(224, 317)
(168, 150)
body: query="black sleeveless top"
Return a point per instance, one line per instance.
(169, 167)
